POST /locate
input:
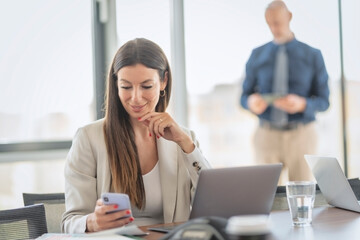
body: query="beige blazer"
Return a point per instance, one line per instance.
(87, 176)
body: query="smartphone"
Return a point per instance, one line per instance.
(270, 98)
(120, 199)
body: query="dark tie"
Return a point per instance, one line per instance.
(280, 85)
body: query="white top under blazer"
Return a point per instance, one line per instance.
(153, 211)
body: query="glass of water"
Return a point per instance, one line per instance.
(301, 197)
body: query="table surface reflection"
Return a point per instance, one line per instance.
(328, 223)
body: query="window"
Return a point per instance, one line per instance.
(46, 77)
(46, 90)
(351, 39)
(216, 56)
(144, 19)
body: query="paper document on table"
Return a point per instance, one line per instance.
(115, 233)
(131, 230)
(60, 236)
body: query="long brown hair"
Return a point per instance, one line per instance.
(122, 152)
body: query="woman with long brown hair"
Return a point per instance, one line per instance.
(137, 149)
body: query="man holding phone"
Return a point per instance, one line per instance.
(286, 83)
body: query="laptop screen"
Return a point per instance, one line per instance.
(332, 182)
(227, 192)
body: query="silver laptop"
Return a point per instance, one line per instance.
(226, 192)
(332, 182)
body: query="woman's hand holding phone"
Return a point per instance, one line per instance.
(111, 211)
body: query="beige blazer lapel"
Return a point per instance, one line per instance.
(168, 163)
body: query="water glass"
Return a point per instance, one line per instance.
(301, 197)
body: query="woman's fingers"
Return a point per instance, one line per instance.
(162, 127)
(99, 202)
(159, 124)
(102, 209)
(146, 120)
(114, 219)
(156, 122)
(122, 214)
(107, 216)
(120, 222)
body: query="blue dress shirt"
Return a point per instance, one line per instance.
(307, 78)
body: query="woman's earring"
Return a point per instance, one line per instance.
(163, 93)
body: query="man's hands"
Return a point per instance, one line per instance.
(257, 104)
(291, 103)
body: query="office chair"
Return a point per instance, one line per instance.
(54, 204)
(23, 223)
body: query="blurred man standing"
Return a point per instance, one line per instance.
(286, 83)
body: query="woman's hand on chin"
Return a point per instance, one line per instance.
(161, 124)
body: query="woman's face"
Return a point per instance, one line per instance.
(139, 89)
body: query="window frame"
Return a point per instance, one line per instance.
(103, 17)
(104, 45)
